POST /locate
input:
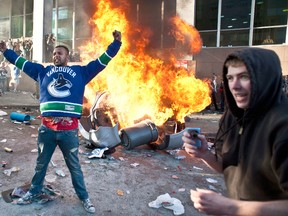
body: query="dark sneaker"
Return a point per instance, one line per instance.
(88, 206)
(27, 198)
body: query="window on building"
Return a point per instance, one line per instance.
(234, 38)
(206, 15)
(29, 18)
(16, 26)
(270, 13)
(235, 22)
(235, 14)
(29, 7)
(21, 18)
(64, 24)
(270, 22)
(209, 38)
(17, 7)
(268, 36)
(17, 18)
(65, 3)
(4, 19)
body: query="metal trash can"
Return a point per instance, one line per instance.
(141, 133)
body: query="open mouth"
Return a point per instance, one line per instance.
(240, 98)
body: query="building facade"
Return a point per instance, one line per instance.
(224, 25)
(228, 25)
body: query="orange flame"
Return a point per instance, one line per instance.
(139, 84)
(187, 35)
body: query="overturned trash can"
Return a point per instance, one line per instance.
(171, 142)
(144, 132)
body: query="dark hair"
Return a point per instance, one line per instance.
(64, 47)
(234, 62)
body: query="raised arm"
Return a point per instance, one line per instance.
(30, 68)
(94, 67)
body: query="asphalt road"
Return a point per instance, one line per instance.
(123, 183)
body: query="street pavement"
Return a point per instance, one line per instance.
(122, 183)
(18, 99)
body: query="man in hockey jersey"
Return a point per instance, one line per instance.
(61, 98)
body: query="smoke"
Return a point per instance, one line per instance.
(82, 15)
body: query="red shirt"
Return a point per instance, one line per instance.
(60, 123)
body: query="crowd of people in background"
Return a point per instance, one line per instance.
(10, 77)
(22, 46)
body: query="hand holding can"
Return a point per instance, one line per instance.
(194, 135)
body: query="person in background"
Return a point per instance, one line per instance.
(251, 146)
(17, 48)
(214, 91)
(222, 97)
(15, 78)
(27, 49)
(50, 44)
(7, 71)
(3, 78)
(9, 44)
(61, 100)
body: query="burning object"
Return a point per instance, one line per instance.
(98, 129)
(142, 81)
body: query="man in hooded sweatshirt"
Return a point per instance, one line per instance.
(251, 146)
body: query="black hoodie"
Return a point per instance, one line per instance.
(255, 162)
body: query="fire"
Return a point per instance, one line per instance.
(187, 35)
(141, 84)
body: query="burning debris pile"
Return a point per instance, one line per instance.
(101, 129)
(147, 90)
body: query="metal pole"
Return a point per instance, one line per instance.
(251, 22)
(219, 23)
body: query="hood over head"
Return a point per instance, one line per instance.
(265, 71)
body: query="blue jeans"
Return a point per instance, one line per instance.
(68, 143)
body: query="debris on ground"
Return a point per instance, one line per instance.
(8, 172)
(168, 202)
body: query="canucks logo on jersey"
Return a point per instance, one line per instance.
(60, 87)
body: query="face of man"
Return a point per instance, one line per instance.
(240, 85)
(60, 56)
